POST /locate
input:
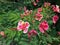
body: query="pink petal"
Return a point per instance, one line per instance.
(18, 28)
(25, 31)
(20, 22)
(27, 24)
(46, 27)
(41, 30)
(57, 8)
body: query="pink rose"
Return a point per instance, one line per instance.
(55, 8)
(38, 16)
(23, 26)
(32, 32)
(55, 18)
(43, 26)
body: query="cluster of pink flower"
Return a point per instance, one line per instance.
(26, 13)
(38, 15)
(47, 4)
(55, 8)
(43, 26)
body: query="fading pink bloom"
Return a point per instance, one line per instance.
(55, 8)
(34, 3)
(30, 11)
(25, 8)
(38, 16)
(55, 18)
(23, 26)
(32, 32)
(43, 26)
(39, 10)
(37, 1)
(22, 16)
(58, 33)
(27, 12)
(47, 4)
(2, 33)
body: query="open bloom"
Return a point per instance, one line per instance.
(55, 18)
(23, 26)
(43, 26)
(55, 8)
(32, 32)
(38, 16)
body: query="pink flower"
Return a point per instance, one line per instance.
(55, 8)
(43, 26)
(27, 12)
(32, 32)
(23, 26)
(38, 16)
(46, 4)
(34, 3)
(39, 10)
(2, 33)
(37, 1)
(58, 33)
(55, 19)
